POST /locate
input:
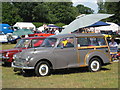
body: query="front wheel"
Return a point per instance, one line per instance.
(42, 69)
(94, 65)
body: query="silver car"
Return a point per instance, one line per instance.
(65, 51)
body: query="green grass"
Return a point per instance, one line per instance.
(7, 46)
(73, 78)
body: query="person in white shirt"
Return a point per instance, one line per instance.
(56, 32)
(113, 48)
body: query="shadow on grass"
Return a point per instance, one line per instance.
(6, 64)
(61, 71)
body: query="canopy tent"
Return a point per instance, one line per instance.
(84, 21)
(99, 23)
(25, 25)
(53, 26)
(112, 27)
(21, 32)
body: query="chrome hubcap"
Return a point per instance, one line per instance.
(95, 65)
(43, 70)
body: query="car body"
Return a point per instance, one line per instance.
(40, 34)
(3, 38)
(5, 28)
(65, 51)
(23, 44)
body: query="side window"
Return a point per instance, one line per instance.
(84, 42)
(101, 41)
(37, 42)
(66, 42)
(93, 42)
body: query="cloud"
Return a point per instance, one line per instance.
(88, 3)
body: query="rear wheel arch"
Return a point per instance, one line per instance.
(98, 58)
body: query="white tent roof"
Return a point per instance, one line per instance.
(114, 27)
(24, 24)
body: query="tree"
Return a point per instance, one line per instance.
(55, 12)
(10, 13)
(101, 6)
(112, 8)
(26, 10)
(84, 10)
(65, 12)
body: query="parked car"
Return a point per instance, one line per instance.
(65, 51)
(25, 43)
(3, 38)
(12, 38)
(5, 28)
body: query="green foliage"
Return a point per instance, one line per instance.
(10, 13)
(60, 24)
(84, 10)
(44, 12)
(110, 8)
(38, 24)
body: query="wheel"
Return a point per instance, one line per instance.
(94, 65)
(42, 69)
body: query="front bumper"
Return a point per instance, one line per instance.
(21, 67)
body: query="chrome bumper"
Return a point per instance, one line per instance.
(21, 67)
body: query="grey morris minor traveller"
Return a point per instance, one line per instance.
(65, 51)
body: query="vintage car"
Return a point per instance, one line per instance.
(65, 51)
(7, 55)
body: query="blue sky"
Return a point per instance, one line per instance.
(89, 3)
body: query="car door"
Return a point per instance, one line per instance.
(65, 54)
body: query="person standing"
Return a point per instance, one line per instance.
(56, 31)
(113, 48)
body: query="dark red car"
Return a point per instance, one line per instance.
(30, 42)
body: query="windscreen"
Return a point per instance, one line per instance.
(49, 42)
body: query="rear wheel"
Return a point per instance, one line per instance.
(42, 69)
(94, 65)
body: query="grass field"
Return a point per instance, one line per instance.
(72, 78)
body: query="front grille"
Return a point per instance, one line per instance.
(19, 62)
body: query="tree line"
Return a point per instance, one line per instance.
(110, 8)
(44, 12)
(54, 12)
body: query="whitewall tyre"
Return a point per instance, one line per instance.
(94, 65)
(42, 69)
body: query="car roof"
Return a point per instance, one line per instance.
(38, 37)
(78, 35)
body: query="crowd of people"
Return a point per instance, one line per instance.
(52, 30)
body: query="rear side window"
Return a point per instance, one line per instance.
(88, 41)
